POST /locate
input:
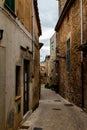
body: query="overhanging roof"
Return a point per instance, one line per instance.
(40, 45)
(37, 16)
(67, 6)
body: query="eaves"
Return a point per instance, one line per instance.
(66, 8)
(40, 45)
(37, 16)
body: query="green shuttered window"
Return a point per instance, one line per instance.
(10, 5)
(52, 46)
(68, 56)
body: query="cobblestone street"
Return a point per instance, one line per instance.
(55, 113)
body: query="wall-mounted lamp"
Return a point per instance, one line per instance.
(1, 34)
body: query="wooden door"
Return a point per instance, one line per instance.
(26, 86)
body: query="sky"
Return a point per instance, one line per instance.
(48, 12)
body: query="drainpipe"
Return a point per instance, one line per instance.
(33, 29)
(81, 13)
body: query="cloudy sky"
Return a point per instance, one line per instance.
(48, 11)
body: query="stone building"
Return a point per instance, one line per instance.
(48, 70)
(72, 55)
(45, 70)
(43, 76)
(19, 61)
(61, 5)
(53, 68)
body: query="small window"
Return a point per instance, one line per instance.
(10, 4)
(52, 46)
(68, 56)
(17, 88)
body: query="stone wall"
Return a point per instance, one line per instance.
(48, 69)
(24, 13)
(61, 5)
(36, 79)
(70, 82)
(43, 76)
(85, 53)
(36, 57)
(84, 21)
(53, 59)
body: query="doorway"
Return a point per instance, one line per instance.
(85, 79)
(26, 87)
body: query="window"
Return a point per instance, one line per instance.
(52, 46)
(17, 88)
(10, 4)
(68, 56)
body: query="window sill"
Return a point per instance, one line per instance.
(17, 98)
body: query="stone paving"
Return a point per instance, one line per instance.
(55, 113)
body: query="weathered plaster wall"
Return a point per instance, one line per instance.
(17, 33)
(18, 37)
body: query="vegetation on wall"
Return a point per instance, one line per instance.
(52, 87)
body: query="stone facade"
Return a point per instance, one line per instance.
(61, 5)
(84, 51)
(48, 69)
(45, 70)
(53, 77)
(19, 71)
(70, 61)
(43, 75)
(36, 57)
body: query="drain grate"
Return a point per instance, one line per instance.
(57, 109)
(57, 100)
(68, 105)
(24, 127)
(36, 128)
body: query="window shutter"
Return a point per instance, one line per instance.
(52, 47)
(10, 4)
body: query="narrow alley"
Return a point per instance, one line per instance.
(55, 113)
(43, 42)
